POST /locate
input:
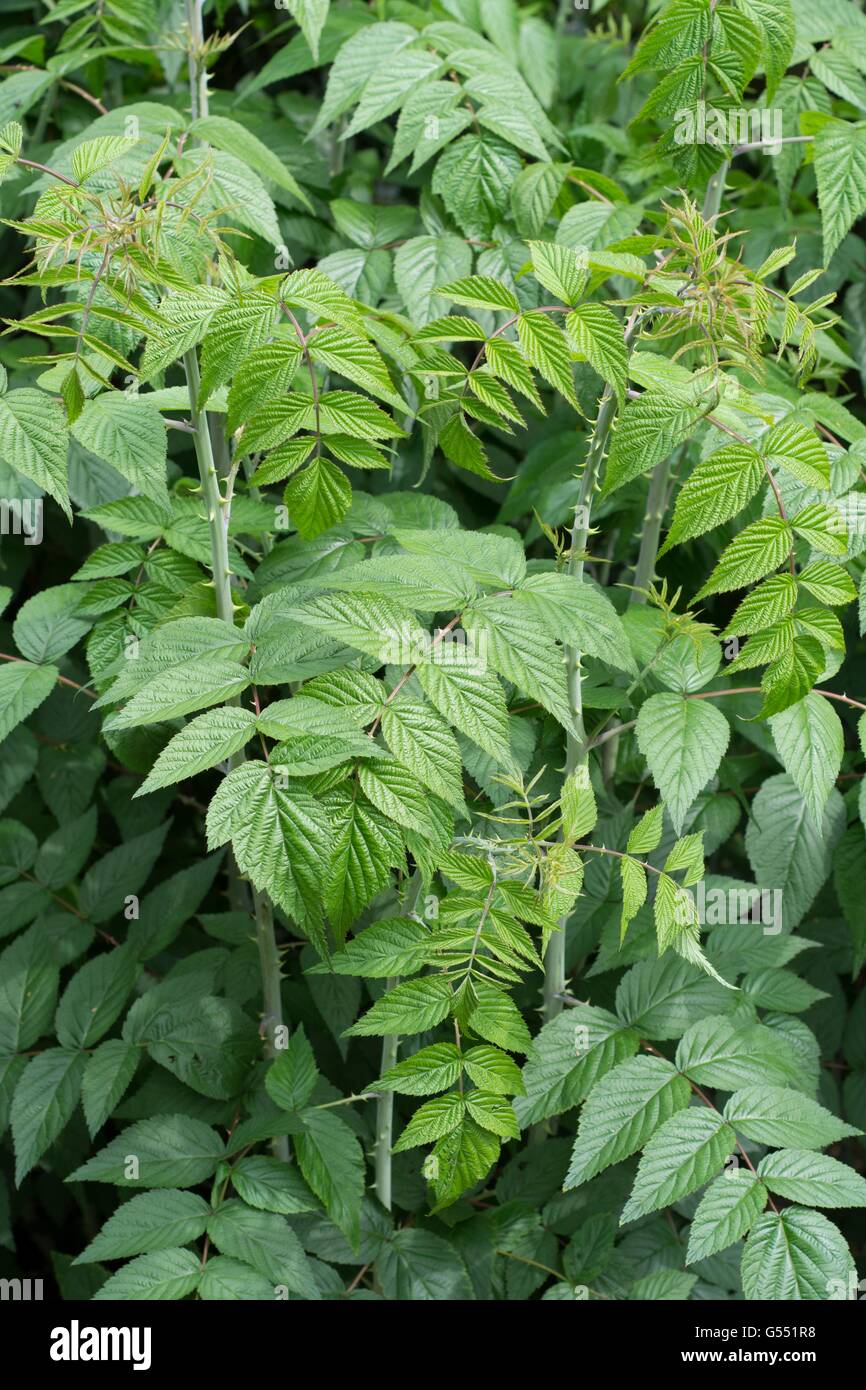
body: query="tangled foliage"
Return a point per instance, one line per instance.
(432, 449)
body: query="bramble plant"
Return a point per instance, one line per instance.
(432, 450)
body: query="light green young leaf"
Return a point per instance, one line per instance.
(683, 742)
(810, 742)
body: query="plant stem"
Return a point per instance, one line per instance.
(218, 510)
(385, 1103)
(652, 526)
(217, 519)
(198, 99)
(575, 750)
(715, 189)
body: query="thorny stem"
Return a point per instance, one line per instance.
(385, 1103)
(218, 511)
(575, 754)
(652, 525)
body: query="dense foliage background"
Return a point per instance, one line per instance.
(432, 451)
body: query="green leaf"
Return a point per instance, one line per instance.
(765, 605)
(332, 1161)
(432, 1069)
(395, 792)
(828, 582)
(168, 1151)
(646, 835)
(795, 1254)
(464, 449)
(810, 742)
(480, 292)
(472, 177)
(757, 550)
(519, 651)
(266, 1241)
(784, 1118)
(33, 440)
(226, 1279)
(320, 297)
(22, 689)
(462, 1158)
(236, 140)
(147, 1222)
(291, 1078)
(109, 1071)
(493, 1112)
(411, 1007)
(206, 1044)
(207, 740)
(716, 490)
(423, 743)
(185, 317)
(561, 269)
(181, 690)
(579, 613)
(496, 1018)
(63, 854)
(688, 1150)
(546, 348)
(597, 334)
(431, 1120)
(648, 430)
(823, 526)
(165, 1274)
(366, 845)
(417, 1265)
(318, 498)
(128, 432)
(95, 996)
(92, 155)
(269, 1184)
(566, 1059)
(726, 1052)
(683, 742)
(28, 991)
(786, 850)
(49, 624)
(815, 1179)
(775, 20)
(395, 946)
(357, 360)
(727, 1209)
(235, 189)
(234, 333)
(280, 835)
(792, 446)
(492, 1070)
(424, 263)
(840, 169)
(42, 1105)
(472, 700)
(622, 1112)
